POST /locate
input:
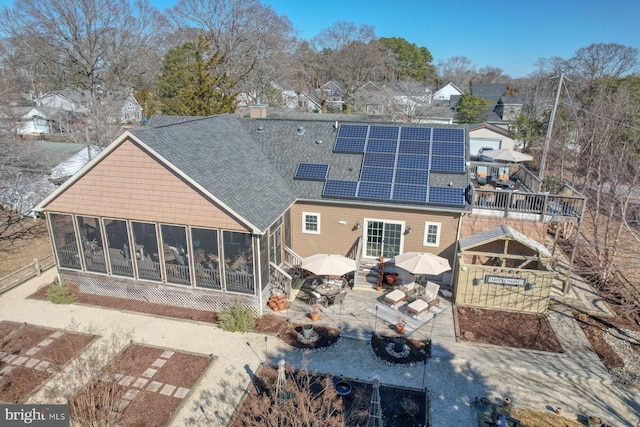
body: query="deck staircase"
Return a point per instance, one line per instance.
(367, 274)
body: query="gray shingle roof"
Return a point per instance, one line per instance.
(220, 155)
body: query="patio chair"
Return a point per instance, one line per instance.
(503, 174)
(338, 298)
(481, 175)
(316, 298)
(425, 301)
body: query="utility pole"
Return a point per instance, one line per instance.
(545, 146)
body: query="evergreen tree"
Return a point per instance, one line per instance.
(191, 84)
(472, 109)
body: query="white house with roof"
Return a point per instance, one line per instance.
(446, 92)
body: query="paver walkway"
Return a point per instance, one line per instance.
(458, 372)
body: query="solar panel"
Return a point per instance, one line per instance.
(383, 160)
(447, 149)
(339, 188)
(409, 193)
(414, 147)
(447, 163)
(382, 145)
(376, 174)
(387, 132)
(353, 131)
(415, 134)
(349, 145)
(448, 134)
(413, 162)
(412, 176)
(311, 171)
(446, 196)
(374, 190)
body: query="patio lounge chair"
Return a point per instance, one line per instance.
(316, 298)
(503, 174)
(481, 175)
(425, 301)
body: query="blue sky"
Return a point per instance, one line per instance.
(509, 35)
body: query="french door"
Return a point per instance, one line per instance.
(384, 238)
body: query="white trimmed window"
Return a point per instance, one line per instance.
(432, 234)
(310, 222)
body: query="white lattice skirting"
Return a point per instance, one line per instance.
(161, 294)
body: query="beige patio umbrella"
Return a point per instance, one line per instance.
(422, 263)
(328, 264)
(509, 156)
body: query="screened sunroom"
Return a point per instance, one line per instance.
(181, 255)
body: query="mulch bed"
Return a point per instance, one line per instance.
(326, 336)
(401, 407)
(416, 351)
(593, 328)
(137, 306)
(505, 328)
(146, 384)
(30, 354)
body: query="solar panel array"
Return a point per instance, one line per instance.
(311, 171)
(397, 163)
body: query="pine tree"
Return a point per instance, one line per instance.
(191, 84)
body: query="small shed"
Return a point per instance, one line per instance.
(504, 269)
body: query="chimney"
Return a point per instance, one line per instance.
(258, 111)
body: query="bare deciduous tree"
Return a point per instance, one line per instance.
(458, 69)
(604, 60)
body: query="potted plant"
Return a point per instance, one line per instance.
(391, 278)
(306, 330)
(400, 325)
(314, 312)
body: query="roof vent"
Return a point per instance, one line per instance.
(335, 126)
(300, 130)
(260, 128)
(318, 141)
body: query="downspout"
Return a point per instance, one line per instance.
(455, 255)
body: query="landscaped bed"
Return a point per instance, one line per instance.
(143, 386)
(506, 328)
(30, 354)
(312, 399)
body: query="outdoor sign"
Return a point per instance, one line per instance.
(504, 280)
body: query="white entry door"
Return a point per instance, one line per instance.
(384, 238)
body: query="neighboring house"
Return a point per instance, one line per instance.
(208, 211)
(332, 93)
(67, 100)
(443, 95)
(289, 97)
(503, 108)
(309, 101)
(484, 135)
(44, 120)
(131, 111)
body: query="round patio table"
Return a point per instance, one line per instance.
(327, 289)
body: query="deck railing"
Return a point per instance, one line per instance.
(239, 281)
(178, 274)
(207, 278)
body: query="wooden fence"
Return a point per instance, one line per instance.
(20, 276)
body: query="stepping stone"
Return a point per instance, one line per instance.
(6, 370)
(140, 382)
(130, 394)
(120, 405)
(9, 357)
(181, 392)
(149, 372)
(167, 354)
(167, 389)
(19, 361)
(32, 351)
(154, 386)
(43, 366)
(45, 343)
(32, 362)
(56, 334)
(127, 380)
(159, 363)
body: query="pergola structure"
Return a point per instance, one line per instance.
(502, 268)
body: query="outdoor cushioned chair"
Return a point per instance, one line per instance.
(425, 301)
(503, 174)
(408, 288)
(316, 298)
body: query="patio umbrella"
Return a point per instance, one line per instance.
(422, 263)
(328, 264)
(510, 156)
